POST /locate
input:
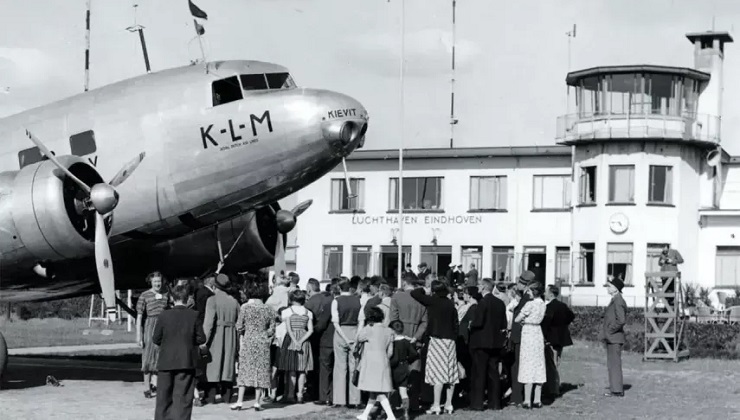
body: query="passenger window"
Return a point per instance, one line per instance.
(29, 156)
(83, 143)
(253, 81)
(279, 80)
(226, 90)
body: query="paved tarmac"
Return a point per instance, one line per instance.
(98, 387)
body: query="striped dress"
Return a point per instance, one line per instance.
(293, 358)
(149, 306)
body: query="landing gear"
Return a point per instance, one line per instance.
(3, 355)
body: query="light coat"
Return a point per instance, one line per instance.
(222, 311)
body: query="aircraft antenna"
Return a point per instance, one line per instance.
(140, 29)
(453, 120)
(87, 46)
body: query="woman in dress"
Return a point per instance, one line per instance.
(532, 351)
(375, 366)
(255, 326)
(442, 327)
(295, 355)
(151, 303)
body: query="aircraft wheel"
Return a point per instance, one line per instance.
(3, 355)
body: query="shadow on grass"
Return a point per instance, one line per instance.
(31, 371)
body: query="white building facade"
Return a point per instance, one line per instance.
(640, 164)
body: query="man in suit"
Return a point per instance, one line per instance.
(487, 337)
(517, 389)
(178, 333)
(471, 279)
(413, 315)
(612, 333)
(322, 342)
(558, 317)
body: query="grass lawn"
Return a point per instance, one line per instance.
(62, 332)
(694, 388)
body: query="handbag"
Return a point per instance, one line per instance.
(357, 354)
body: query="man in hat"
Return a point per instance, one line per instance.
(423, 271)
(612, 334)
(219, 326)
(517, 389)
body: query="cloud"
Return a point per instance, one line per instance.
(428, 52)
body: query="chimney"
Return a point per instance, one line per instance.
(709, 49)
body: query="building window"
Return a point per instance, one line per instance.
(534, 259)
(551, 192)
(227, 90)
(619, 262)
(727, 267)
(29, 156)
(333, 261)
(622, 183)
(588, 185)
(487, 193)
(340, 199)
(418, 193)
(661, 184)
(438, 258)
(585, 263)
(562, 265)
(653, 255)
(503, 263)
(361, 256)
(82, 144)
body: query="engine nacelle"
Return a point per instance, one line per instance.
(49, 218)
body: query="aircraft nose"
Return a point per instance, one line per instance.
(344, 122)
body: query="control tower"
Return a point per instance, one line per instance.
(647, 157)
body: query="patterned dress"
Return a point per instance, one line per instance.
(149, 306)
(256, 325)
(532, 350)
(292, 357)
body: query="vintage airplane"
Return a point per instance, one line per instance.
(199, 156)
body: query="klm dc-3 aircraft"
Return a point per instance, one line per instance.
(166, 171)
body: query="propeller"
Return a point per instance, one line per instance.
(285, 221)
(103, 199)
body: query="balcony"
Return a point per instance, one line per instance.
(584, 127)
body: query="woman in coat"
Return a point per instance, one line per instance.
(375, 366)
(222, 312)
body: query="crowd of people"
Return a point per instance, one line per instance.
(425, 346)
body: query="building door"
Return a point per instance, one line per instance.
(535, 260)
(438, 258)
(472, 255)
(389, 261)
(727, 263)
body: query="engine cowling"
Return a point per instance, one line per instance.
(48, 211)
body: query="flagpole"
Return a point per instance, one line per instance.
(200, 42)
(400, 144)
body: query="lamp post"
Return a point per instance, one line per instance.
(400, 144)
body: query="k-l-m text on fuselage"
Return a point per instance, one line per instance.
(233, 129)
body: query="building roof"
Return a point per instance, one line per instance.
(709, 35)
(463, 152)
(573, 77)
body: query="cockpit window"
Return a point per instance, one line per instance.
(280, 81)
(253, 81)
(226, 90)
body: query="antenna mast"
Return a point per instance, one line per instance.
(453, 120)
(87, 46)
(140, 29)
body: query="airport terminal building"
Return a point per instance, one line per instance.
(639, 163)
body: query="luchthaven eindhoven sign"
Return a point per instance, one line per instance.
(418, 220)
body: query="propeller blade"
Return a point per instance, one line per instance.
(299, 209)
(279, 264)
(53, 158)
(105, 266)
(346, 181)
(127, 169)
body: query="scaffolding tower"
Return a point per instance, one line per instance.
(664, 320)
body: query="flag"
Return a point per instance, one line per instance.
(196, 11)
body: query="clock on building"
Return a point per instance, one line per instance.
(619, 223)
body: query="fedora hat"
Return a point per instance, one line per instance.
(617, 282)
(222, 280)
(526, 277)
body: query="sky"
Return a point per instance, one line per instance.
(512, 57)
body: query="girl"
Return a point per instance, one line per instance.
(375, 368)
(404, 353)
(296, 356)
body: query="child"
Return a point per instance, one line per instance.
(404, 353)
(375, 369)
(178, 333)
